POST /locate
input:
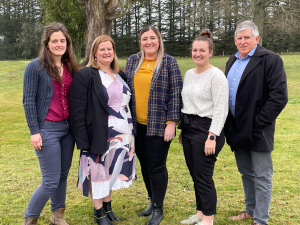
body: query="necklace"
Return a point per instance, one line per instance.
(59, 68)
(151, 62)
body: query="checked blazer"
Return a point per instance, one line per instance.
(164, 101)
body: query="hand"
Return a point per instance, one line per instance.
(210, 146)
(170, 131)
(180, 138)
(36, 141)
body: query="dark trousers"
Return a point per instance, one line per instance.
(55, 160)
(194, 135)
(152, 152)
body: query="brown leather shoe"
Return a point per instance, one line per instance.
(57, 217)
(254, 224)
(30, 221)
(243, 215)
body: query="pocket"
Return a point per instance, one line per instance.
(42, 133)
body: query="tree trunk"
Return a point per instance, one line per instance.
(97, 24)
(259, 16)
(77, 50)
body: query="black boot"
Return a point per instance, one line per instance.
(110, 214)
(147, 211)
(100, 217)
(156, 216)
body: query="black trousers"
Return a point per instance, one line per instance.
(152, 152)
(194, 135)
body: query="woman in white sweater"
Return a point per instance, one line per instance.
(205, 108)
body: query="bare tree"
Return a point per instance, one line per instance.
(99, 15)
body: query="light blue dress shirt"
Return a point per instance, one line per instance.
(234, 76)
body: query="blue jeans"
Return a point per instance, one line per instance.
(55, 160)
(257, 171)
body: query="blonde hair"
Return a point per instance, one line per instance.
(103, 38)
(160, 53)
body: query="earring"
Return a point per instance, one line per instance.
(95, 59)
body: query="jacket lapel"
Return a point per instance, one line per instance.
(97, 82)
(229, 64)
(157, 72)
(254, 61)
(131, 73)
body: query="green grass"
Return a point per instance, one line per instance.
(20, 173)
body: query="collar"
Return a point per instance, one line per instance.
(237, 55)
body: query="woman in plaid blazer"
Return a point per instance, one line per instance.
(155, 82)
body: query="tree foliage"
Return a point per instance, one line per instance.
(179, 21)
(28, 41)
(12, 16)
(70, 13)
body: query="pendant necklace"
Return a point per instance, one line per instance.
(59, 68)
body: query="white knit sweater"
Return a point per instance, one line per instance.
(206, 95)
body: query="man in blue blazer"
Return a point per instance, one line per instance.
(257, 95)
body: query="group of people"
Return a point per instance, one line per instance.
(113, 114)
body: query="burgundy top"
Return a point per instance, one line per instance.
(59, 105)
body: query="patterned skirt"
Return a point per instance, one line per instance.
(112, 170)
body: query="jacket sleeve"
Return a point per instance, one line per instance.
(78, 105)
(175, 87)
(30, 88)
(276, 96)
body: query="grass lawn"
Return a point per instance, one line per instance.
(20, 173)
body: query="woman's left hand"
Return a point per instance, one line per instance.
(210, 145)
(170, 131)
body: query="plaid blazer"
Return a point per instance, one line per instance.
(164, 101)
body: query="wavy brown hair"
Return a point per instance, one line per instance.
(46, 57)
(103, 38)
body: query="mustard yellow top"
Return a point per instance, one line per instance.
(142, 82)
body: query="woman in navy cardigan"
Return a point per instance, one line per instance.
(47, 81)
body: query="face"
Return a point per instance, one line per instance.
(149, 43)
(201, 53)
(57, 44)
(245, 42)
(105, 53)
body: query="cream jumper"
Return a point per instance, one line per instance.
(206, 95)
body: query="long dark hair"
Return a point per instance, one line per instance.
(46, 57)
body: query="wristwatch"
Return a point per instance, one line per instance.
(211, 137)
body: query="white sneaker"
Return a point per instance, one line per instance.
(193, 219)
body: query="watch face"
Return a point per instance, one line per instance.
(212, 137)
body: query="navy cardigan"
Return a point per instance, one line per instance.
(37, 95)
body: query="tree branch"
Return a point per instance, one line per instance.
(82, 1)
(122, 12)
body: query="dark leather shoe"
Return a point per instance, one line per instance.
(147, 211)
(101, 218)
(156, 216)
(110, 214)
